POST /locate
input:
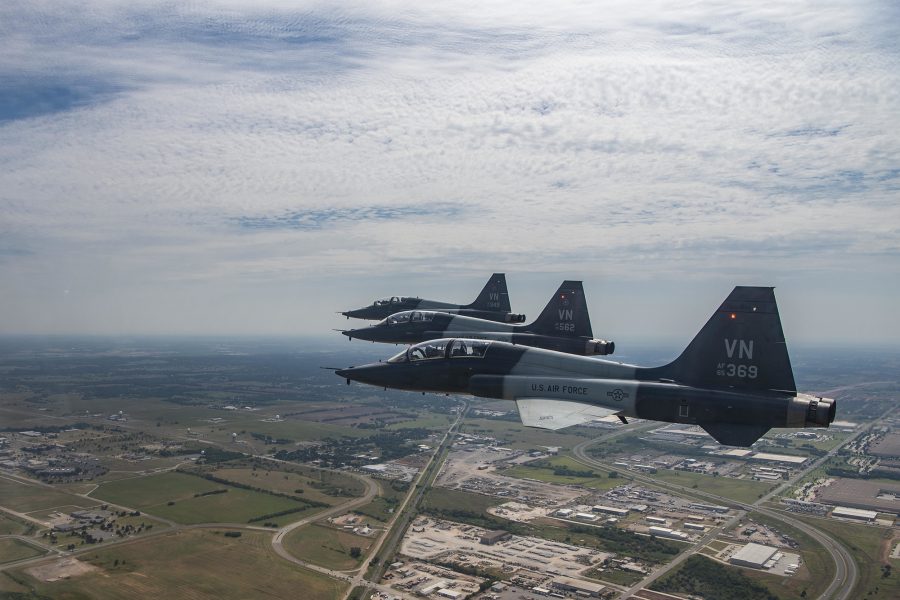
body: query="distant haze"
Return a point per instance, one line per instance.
(250, 168)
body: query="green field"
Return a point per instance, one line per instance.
(326, 546)
(599, 481)
(12, 526)
(155, 492)
(441, 499)
(12, 550)
(27, 497)
(742, 490)
(314, 483)
(521, 437)
(381, 507)
(190, 565)
(871, 548)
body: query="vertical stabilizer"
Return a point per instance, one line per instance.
(566, 315)
(494, 296)
(741, 346)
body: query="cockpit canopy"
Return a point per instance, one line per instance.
(391, 301)
(409, 316)
(459, 348)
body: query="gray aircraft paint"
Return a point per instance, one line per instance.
(564, 325)
(734, 379)
(492, 303)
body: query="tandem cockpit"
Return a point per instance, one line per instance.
(434, 349)
(409, 316)
(392, 301)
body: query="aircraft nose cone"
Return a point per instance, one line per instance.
(343, 373)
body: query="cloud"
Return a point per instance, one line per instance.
(165, 150)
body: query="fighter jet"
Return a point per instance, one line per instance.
(734, 379)
(491, 304)
(564, 325)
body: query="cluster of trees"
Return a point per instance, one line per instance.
(305, 502)
(620, 541)
(268, 439)
(211, 493)
(389, 445)
(564, 471)
(274, 515)
(703, 577)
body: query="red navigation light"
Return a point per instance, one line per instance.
(733, 316)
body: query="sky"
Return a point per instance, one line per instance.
(243, 168)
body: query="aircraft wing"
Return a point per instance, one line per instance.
(546, 413)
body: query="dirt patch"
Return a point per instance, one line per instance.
(888, 542)
(63, 568)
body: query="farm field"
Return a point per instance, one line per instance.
(12, 550)
(599, 481)
(743, 490)
(327, 546)
(313, 483)
(26, 497)
(11, 526)
(189, 565)
(154, 494)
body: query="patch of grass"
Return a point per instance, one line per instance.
(327, 546)
(624, 578)
(11, 526)
(700, 576)
(310, 482)
(552, 471)
(188, 565)
(521, 437)
(27, 497)
(867, 545)
(742, 490)
(12, 550)
(381, 507)
(173, 496)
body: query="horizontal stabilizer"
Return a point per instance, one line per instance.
(731, 434)
(556, 414)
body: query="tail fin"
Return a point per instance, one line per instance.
(494, 296)
(566, 315)
(741, 346)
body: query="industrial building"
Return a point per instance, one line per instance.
(843, 512)
(866, 495)
(753, 555)
(492, 537)
(569, 584)
(611, 510)
(665, 532)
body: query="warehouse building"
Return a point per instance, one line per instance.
(492, 537)
(857, 514)
(665, 532)
(611, 510)
(753, 555)
(569, 584)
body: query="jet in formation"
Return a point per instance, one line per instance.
(734, 379)
(491, 304)
(564, 326)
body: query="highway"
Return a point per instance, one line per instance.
(846, 571)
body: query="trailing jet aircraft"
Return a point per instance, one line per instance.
(734, 379)
(491, 304)
(564, 325)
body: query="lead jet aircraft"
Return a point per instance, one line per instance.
(564, 325)
(734, 379)
(491, 304)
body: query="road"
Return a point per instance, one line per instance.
(846, 571)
